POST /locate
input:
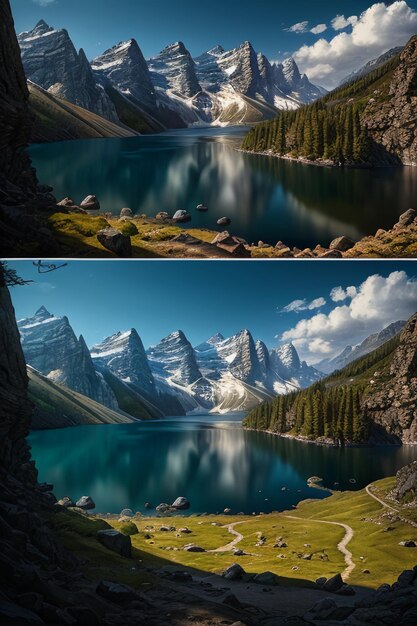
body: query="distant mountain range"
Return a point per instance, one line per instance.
(171, 378)
(170, 90)
(374, 64)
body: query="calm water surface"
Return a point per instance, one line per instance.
(210, 459)
(266, 198)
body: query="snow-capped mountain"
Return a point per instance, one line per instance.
(369, 344)
(51, 61)
(372, 65)
(169, 90)
(174, 359)
(125, 68)
(124, 355)
(51, 347)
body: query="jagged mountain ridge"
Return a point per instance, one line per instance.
(218, 87)
(350, 353)
(371, 65)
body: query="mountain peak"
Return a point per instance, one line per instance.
(217, 338)
(42, 312)
(216, 50)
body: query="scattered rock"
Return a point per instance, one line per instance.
(234, 572)
(86, 503)
(227, 510)
(408, 543)
(167, 529)
(192, 547)
(346, 590)
(224, 221)
(342, 244)
(66, 202)
(239, 553)
(280, 544)
(116, 592)
(266, 578)
(184, 531)
(406, 219)
(331, 254)
(334, 583)
(181, 504)
(126, 212)
(148, 505)
(162, 215)
(321, 581)
(164, 508)
(115, 241)
(201, 207)
(90, 203)
(181, 216)
(66, 502)
(127, 512)
(116, 541)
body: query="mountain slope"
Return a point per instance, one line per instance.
(50, 60)
(371, 65)
(373, 399)
(55, 119)
(56, 406)
(349, 354)
(370, 121)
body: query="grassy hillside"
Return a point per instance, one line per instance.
(330, 129)
(57, 406)
(57, 120)
(331, 408)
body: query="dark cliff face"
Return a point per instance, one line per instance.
(393, 406)
(392, 123)
(15, 122)
(15, 408)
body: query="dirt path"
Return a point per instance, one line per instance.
(341, 546)
(231, 544)
(384, 504)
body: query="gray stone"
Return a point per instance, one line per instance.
(408, 543)
(116, 541)
(86, 503)
(334, 583)
(126, 513)
(115, 241)
(234, 572)
(116, 592)
(126, 212)
(181, 504)
(192, 547)
(266, 578)
(90, 203)
(201, 207)
(342, 243)
(66, 502)
(181, 216)
(224, 221)
(406, 218)
(162, 215)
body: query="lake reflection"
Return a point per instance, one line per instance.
(266, 198)
(210, 460)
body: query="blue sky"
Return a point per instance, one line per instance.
(98, 24)
(202, 298)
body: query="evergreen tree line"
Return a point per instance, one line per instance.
(331, 408)
(319, 411)
(328, 129)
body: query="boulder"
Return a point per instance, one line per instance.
(181, 216)
(334, 583)
(408, 543)
(167, 529)
(266, 578)
(224, 221)
(181, 504)
(90, 203)
(66, 502)
(126, 512)
(86, 503)
(346, 590)
(331, 254)
(148, 505)
(201, 207)
(128, 527)
(115, 592)
(115, 241)
(321, 581)
(164, 508)
(184, 531)
(227, 510)
(192, 547)
(342, 243)
(116, 541)
(126, 213)
(162, 215)
(234, 572)
(66, 202)
(406, 218)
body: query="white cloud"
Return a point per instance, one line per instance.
(303, 305)
(317, 30)
(376, 30)
(44, 3)
(300, 27)
(377, 302)
(340, 21)
(338, 294)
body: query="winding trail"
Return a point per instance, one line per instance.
(231, 544)
(384, 504)
(341, 546)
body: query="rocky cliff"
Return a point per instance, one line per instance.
(392, 121)
(393, 404)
